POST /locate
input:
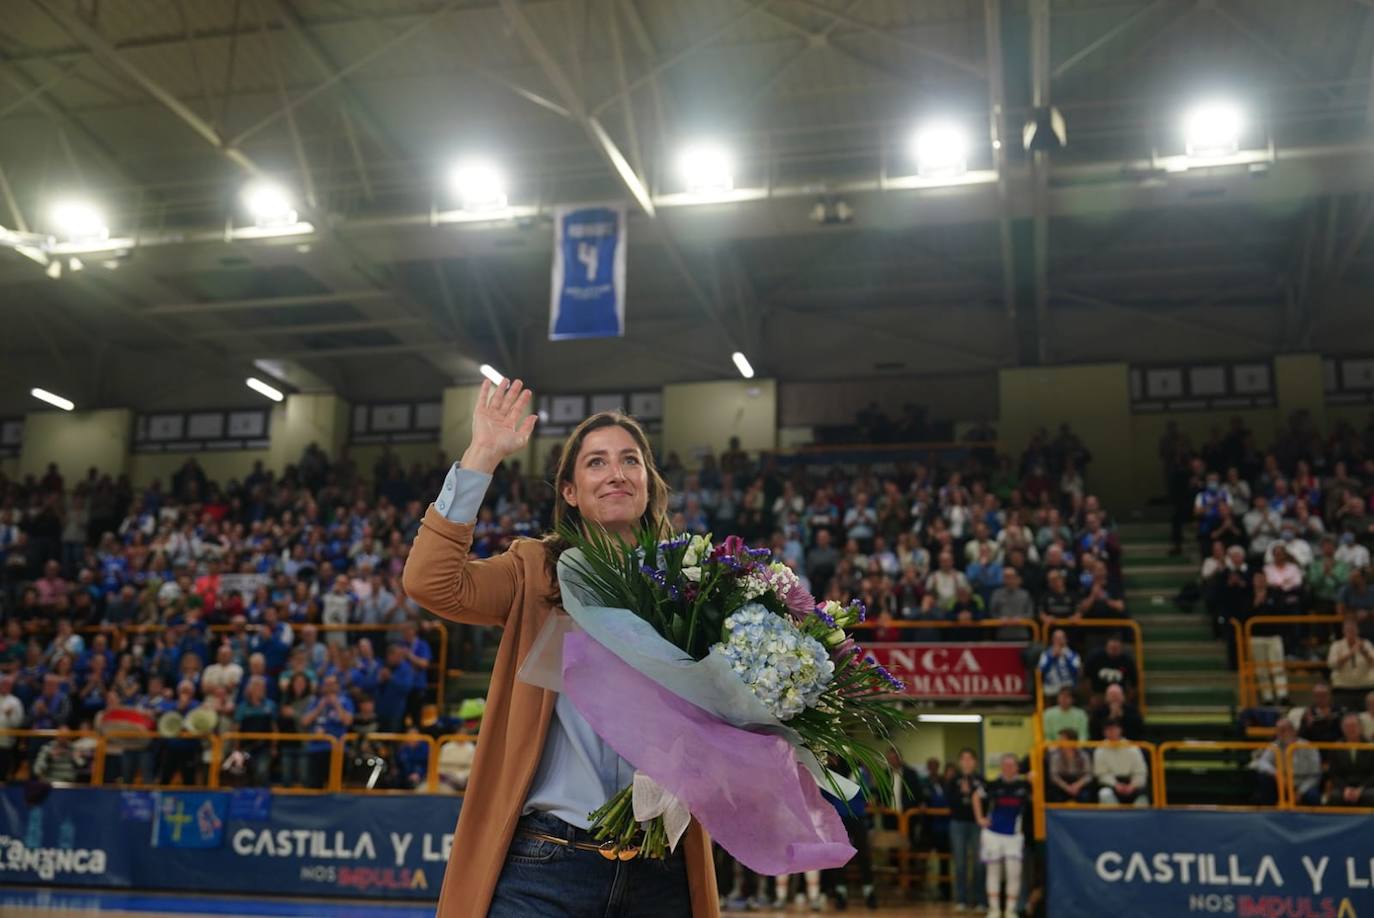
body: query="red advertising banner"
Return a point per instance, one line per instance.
(957, 670)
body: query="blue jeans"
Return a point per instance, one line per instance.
(545, 879)
(294, 765)
(963, 849)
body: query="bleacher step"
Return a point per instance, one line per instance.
(1160, 577)
(1185, 662)
(1203, 678)
(1188, 694)
(1143, 531)
(1133, 561)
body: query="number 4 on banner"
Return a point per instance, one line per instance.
(588, 289)
(591, 260)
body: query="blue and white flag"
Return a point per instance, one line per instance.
(588, 274)
(189, 820)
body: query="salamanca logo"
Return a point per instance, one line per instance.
(49, 863)
(1185, 867)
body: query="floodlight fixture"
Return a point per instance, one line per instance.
(940, 150)
(78, 220)
(1212, 128)
(479, 185)
(707, 168)
(269, 204)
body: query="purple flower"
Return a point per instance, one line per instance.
(799, 600)
(893, 681)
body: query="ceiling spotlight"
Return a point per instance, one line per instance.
(940, 150)
(950, 718)
(742, 364)
(490, 372)
(43, 395)
(1212, 128)
(707, 168)
(269, 204)
(479, 185)
(832, 212)
(262, 388)
(79, 221)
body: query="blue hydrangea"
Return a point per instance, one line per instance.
(787, 670)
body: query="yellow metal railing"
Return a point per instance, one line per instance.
(1115, 624)
(1157, 757)
(917, 624)
(110, 743)
(1196, 746)
(1300, 675)
(1323, 747)
(1040, 769)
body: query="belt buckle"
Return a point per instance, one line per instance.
(612, 852)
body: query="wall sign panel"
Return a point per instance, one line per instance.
(1199, 387)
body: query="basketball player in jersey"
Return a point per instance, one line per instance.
(999, 807)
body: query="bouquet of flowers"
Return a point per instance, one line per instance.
(772, 678)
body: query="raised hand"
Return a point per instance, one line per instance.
(501, 424)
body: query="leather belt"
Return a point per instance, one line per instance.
(608, 850)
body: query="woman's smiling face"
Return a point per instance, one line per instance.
(610, 484)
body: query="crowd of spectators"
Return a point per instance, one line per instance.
(221, 604)
(201, 594)
(960, 542)
(1288, 533)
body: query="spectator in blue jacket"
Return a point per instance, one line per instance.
(394, 684)
(1060, 666)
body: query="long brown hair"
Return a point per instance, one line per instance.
(655, 511)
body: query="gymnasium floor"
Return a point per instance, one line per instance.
(22, 902)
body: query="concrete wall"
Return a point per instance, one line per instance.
(947, 397)
(304, 419)
(1146, 429)
(365, 455)
(1094, 400)
(145, 468)
(76, 441)
(1299, 385)
(704, 416)
(1358, 416)
(940, 740)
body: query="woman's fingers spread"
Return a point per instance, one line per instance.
(510, 395)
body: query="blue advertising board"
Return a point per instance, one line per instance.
(241, 841)
(1147, 863)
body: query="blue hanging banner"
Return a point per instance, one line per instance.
(588, 274)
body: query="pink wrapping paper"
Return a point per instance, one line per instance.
(747, 789)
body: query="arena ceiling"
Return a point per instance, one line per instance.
(1114, 248)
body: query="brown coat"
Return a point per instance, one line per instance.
(513, 591)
